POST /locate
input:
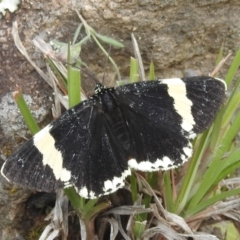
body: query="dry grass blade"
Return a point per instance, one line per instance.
(138, 57)
(44, 47)
(47, 233)
(226, 206)
(126, 237)
(234, 215)
(171, 218)
(22, 49)
(114, 227)
(131, 218)
(56, 56)
(219, 66)
(230, 181)
(235, 220)
(83, 229)
(162, 229)
(157, 215)
(152, 193)
(129, 210)
(39, 43)
(179, 221)
(218, 209)
(200, 236)
(53, 234)
(64, 208)
(56, 108)
(53, 81)
(59, 219)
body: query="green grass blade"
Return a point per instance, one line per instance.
(228, 166)
(220, 55)
(232, 105)
(62, 79)
(200, 145)
(232, 162)
(216, 130)
(233, 68)
(230, 134)
(216, 166)
(109, 40)
(75, 199)
(231, 110)
(74, 86)
(151, 75)
(134, 188)
(76, 34)
(91, 208)
(134, 77)
(168, 195)
(87, 207)
(211, 201)
(26, 113)
(138, 229)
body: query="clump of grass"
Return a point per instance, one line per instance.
(172, 204)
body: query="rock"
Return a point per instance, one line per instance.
(175, 35)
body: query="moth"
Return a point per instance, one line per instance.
(146, 126)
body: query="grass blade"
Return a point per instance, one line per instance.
(211, 201)
(151, 75)
(26, 113)
(109, 40)
(74, 86)
(233, 68)
(134, 77)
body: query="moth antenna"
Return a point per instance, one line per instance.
(88, 72)
(105, 67)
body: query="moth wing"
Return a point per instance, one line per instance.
(207, 94)
(164, 115)
(78, 149)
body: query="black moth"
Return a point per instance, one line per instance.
(146, 126)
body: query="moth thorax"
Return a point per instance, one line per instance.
(99, 89)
